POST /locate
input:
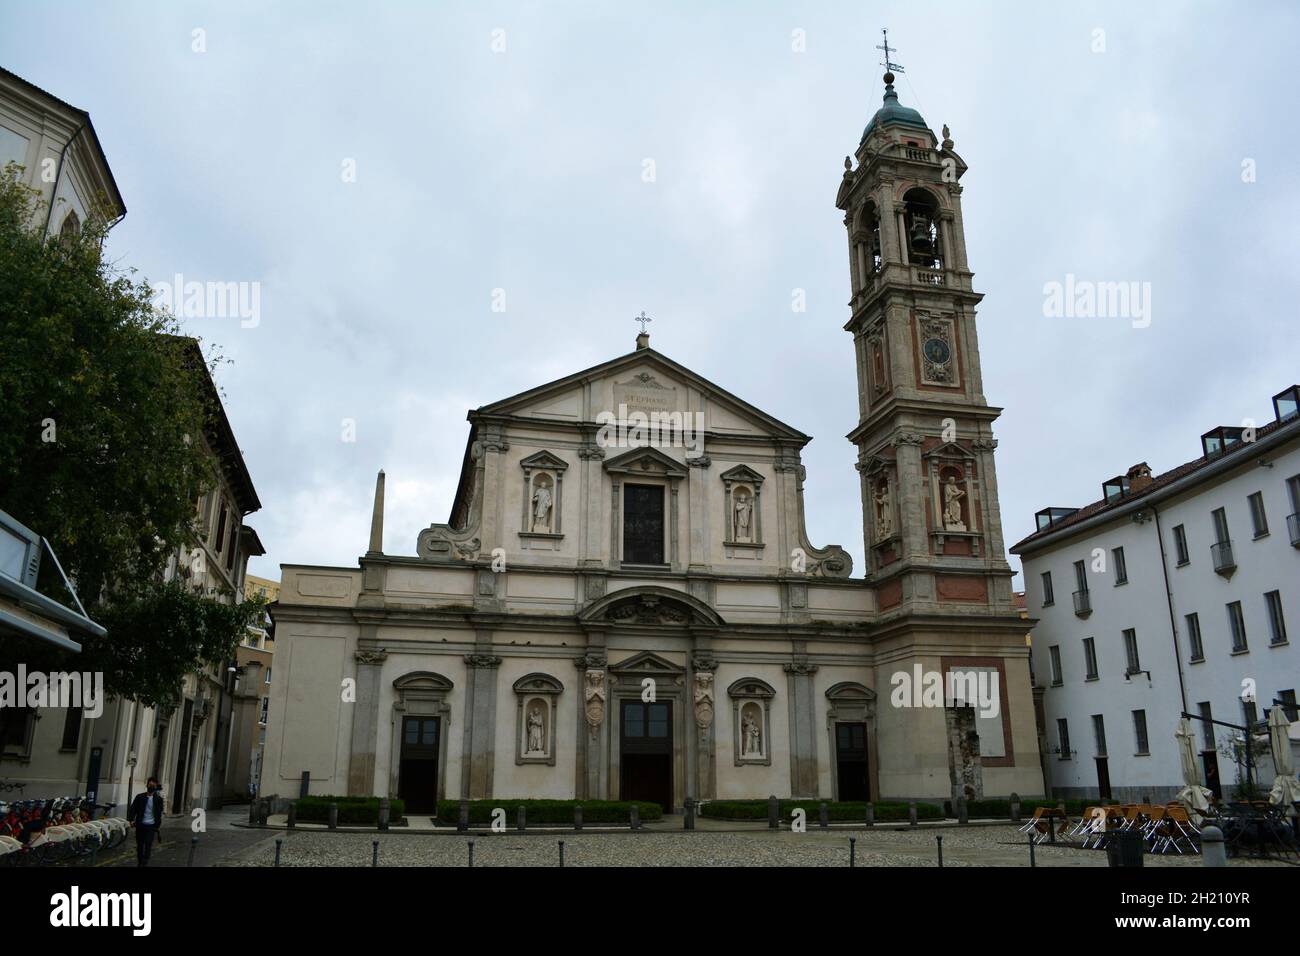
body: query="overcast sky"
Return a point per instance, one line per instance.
(522, 169)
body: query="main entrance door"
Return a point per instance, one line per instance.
(851, 761)
(646, 752)
(417, 776)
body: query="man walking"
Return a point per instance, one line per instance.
(145, 814)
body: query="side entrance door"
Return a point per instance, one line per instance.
(851, 760)
(646, 752)
(417, 776)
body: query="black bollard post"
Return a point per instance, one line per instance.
(1015, 808)
(963, 811)
(278, 843)
(374, 852)
(911, 813)
(305, 786)
(471, 854)
(334, 816)
(853, 849)
(773, 813)
(252, 813)
(194, 845)
(561, 854)
(871, 814)
(1031, 850)
(293, 815)
(383, 813)
(263, 811)
(577, 817)
(823, 815)
(688, 819)
(939, 839)
(462, 820)
(521, 818)
(634, 816)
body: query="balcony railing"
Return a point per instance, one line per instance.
(1293, 525)
(1082, 603)
(1221, 553)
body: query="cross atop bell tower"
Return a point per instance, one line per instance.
(932, 529)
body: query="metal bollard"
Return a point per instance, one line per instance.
(1213, 851)
(383, 813)
(471, 854)
(561, 854)
(634, 816)
(1031, 850)
(688, 820)
(911, 813)
(577, 817)
(305, 786)
(252, 813)
(871, 814)
(1015, 808)
(963, 811)
(334, 816)
(278, 843)
(940, 841)
(521, 818)
(823, 815)
(293, 816)
(462, 820)
(773, 813)
(374, 853)
(853, 849)
(263, 811)
(194, 845)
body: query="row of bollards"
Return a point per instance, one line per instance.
(521, 817)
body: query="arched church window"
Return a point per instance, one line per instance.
(70, 229)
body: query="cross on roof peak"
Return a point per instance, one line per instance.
(643, 319)
(890, 67)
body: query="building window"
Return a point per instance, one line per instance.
(1121, 569)
(1099, 734)
(221, 529)
(1090, 658)
(1276, 622)
(1048, 597)
(1257, 516)
(1081, 575)
(1287, 697)
(1194, 637)
(1054, 656)
(1180, 545)
(268, 676)
(71, 729)
(1238, 624)
(1063, 738)
(266, 706)
(15, 731)
(1140, 732)
(1131, 651)
(643, 524)
(1207, 725)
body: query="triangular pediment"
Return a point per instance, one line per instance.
(742, 473)
(949, 450)
(643, 380)
(647, 662)
(646, 461)
(544, 459)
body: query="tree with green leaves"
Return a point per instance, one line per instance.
(102, 451)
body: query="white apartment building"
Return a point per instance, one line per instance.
(1172, 594)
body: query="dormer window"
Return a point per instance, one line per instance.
(1049, 517)
(1286, 404)
(1115, 489)
(1221, 439)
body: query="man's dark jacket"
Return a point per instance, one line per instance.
(136, 813)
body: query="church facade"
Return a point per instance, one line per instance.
(625, 604)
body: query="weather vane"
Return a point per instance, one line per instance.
(889, 67)
(643, 319)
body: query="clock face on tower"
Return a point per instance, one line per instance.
(937, 351)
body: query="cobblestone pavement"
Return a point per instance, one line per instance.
(976, 846)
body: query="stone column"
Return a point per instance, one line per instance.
(591, 766)
(699, 543)
(704, 757)
(479, 757)
(365, 725)
(803, 731)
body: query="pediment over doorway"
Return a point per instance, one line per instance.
(651, 606)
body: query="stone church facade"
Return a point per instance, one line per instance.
(625, 602)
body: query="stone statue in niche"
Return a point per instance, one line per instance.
(884, 511)
(743, 509)
(541, 507)
(952, 496)
(752, 730)
(536, 743)
(594, 694)
(703, 698)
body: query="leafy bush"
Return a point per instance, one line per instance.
(540, 812)
(840, 812)
(353, 811)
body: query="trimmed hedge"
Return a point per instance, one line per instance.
(849, 811)
(1001, 809)
(542, 812)
(353, 811)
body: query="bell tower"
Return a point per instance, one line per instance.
(931, 524)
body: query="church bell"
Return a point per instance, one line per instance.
(921, 235)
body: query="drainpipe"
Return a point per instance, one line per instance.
(1169, 599)
(58, 176)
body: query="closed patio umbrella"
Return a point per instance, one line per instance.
(1286, 789)
(1193, 796)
